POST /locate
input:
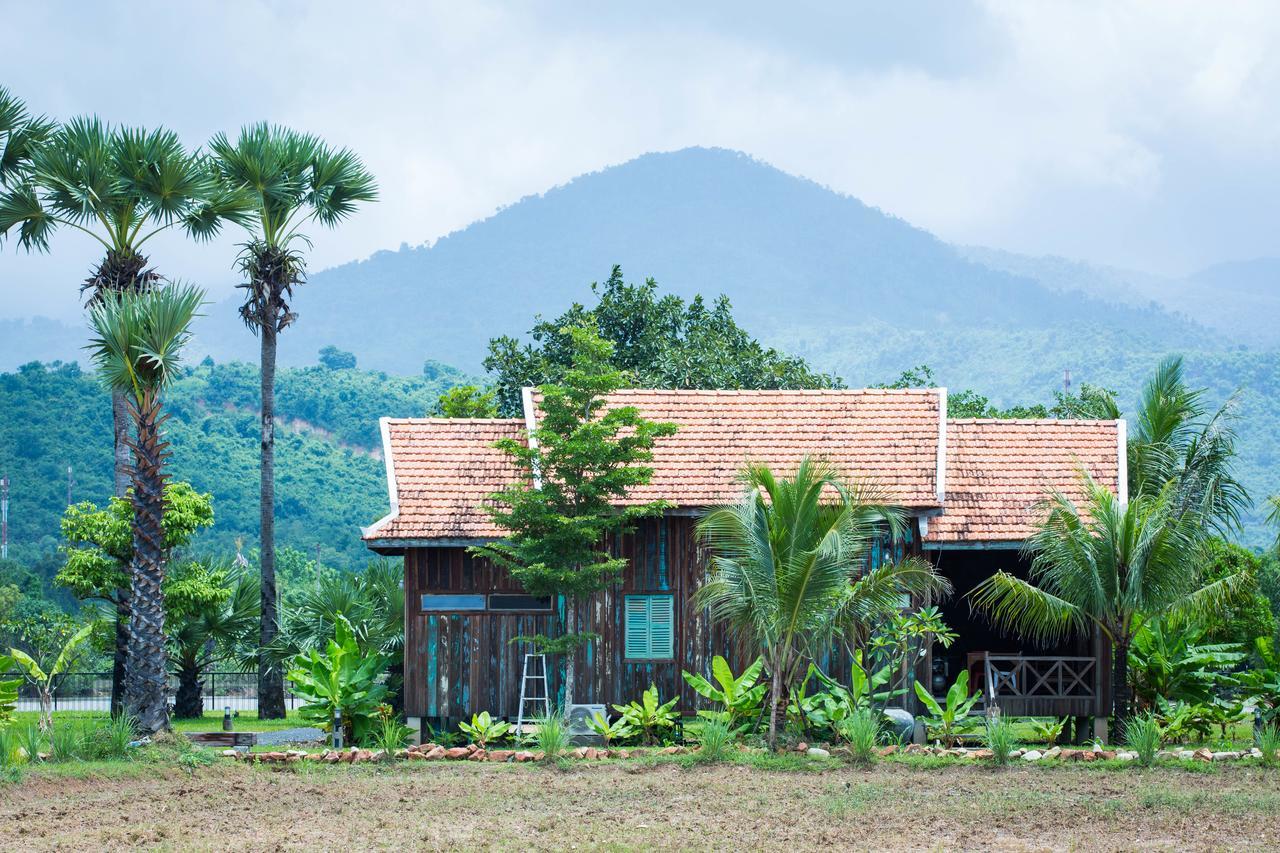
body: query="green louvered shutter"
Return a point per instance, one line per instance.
(650, 627)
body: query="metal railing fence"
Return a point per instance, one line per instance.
(91, 691)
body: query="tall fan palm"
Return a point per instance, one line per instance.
(20, 134)
(292, 179)
(137, 346)
(1177, 441)
(785, 565)
(1109, 564)
(121, 186)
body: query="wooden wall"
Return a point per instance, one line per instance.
(457, 664)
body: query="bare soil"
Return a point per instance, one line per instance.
(629, 805)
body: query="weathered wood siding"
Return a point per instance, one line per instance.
(457, 664)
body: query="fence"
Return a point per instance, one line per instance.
(91, 691)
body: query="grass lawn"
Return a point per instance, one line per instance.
(247, 721)
(665, 803)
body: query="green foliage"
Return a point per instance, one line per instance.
(945, 720)
(8, 691)
(1262, 683)
(1168, 661)
(100, 541)
(483, 729)
(714, 739)
(43, 674)
(828, 709)
(1249, 617)
(661, 341)
(1047, 731)
(1000, 738)
(332, 358)
(551, 736)
(740, 697)
(861, 730)
(341, 678)
(650, 718)
(138, 338)
(617, 730)
(466, 401)
(370, 603)
(389, 734)
(1142, 735)
(581, 458)
(1268, 741)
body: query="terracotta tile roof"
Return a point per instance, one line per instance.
(889, 436)
(439, 472)
(999, 471)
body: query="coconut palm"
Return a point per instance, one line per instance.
(292, 179)
(1176, 440)
(1109, 565)
(1273, 516)
(786, 561)
(137, 347)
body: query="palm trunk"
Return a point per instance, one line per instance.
(570, 627)
(121, 652)
(188, 702)
(1121, 695)
(146, 679)
(270, 678)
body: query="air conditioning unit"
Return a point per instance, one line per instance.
(575, 720)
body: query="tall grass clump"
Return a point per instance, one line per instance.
(8, 747)
(862, 730)
(31, 741)
(66, 741)
(1268, 738)
(1142, 735)
(1000, 738)
(109, 739)
(390, 735)
(714, 740)
(551, 737)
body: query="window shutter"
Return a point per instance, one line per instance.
(661, 627)
(637, 626)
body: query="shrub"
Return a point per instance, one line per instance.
(483, 728)
(1142, 735)
(945, 721)
(1000, 738)
(862, 731)
(648, 717)
(739, 697)
(341, 679)
(551, 736)
(1268, 738)
(1048, 731)
(715, 738)
(618, 730)
(390, 734)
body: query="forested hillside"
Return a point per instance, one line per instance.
(329, 479)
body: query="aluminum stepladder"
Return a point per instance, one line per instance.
(533, 691)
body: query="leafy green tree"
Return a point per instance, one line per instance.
(212, 615)
(965, 402)
(99, 552)
(1109, 565)
(1248, 617)
(137, 346)
(660, 341)
(467, 401)
(579, 461)
(786, 561)
(289, 180)
(332, 358)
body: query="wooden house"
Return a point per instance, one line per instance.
(973, 489)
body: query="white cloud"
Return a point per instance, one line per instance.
(1101, 130)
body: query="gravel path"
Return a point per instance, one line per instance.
(300, 735)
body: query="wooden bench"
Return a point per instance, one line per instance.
(224, 739)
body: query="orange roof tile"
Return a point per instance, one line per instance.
(439, 471)
(887, 436)
(998, 473)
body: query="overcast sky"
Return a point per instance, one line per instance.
(1142, 134)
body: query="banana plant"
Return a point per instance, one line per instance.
(648, 716)
(8, 692)
(341, 679)
(44, 681)
(946, 720)
(483, 728)
(740, 698)
(609, 732)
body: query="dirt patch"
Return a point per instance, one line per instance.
(633, 806)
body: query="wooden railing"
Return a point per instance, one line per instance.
(1027, 685)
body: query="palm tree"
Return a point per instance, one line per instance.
(137, 346)
(1109, 565)
(120, 186)
(1273, 517)
(214, 618)
(785, 564)
(1175, 440)
(20, 134)
(292, 179)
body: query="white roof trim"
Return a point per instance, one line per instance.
(942, 447)
(531, 424)
(393, 491)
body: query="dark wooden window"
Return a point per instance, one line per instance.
(517, 601)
